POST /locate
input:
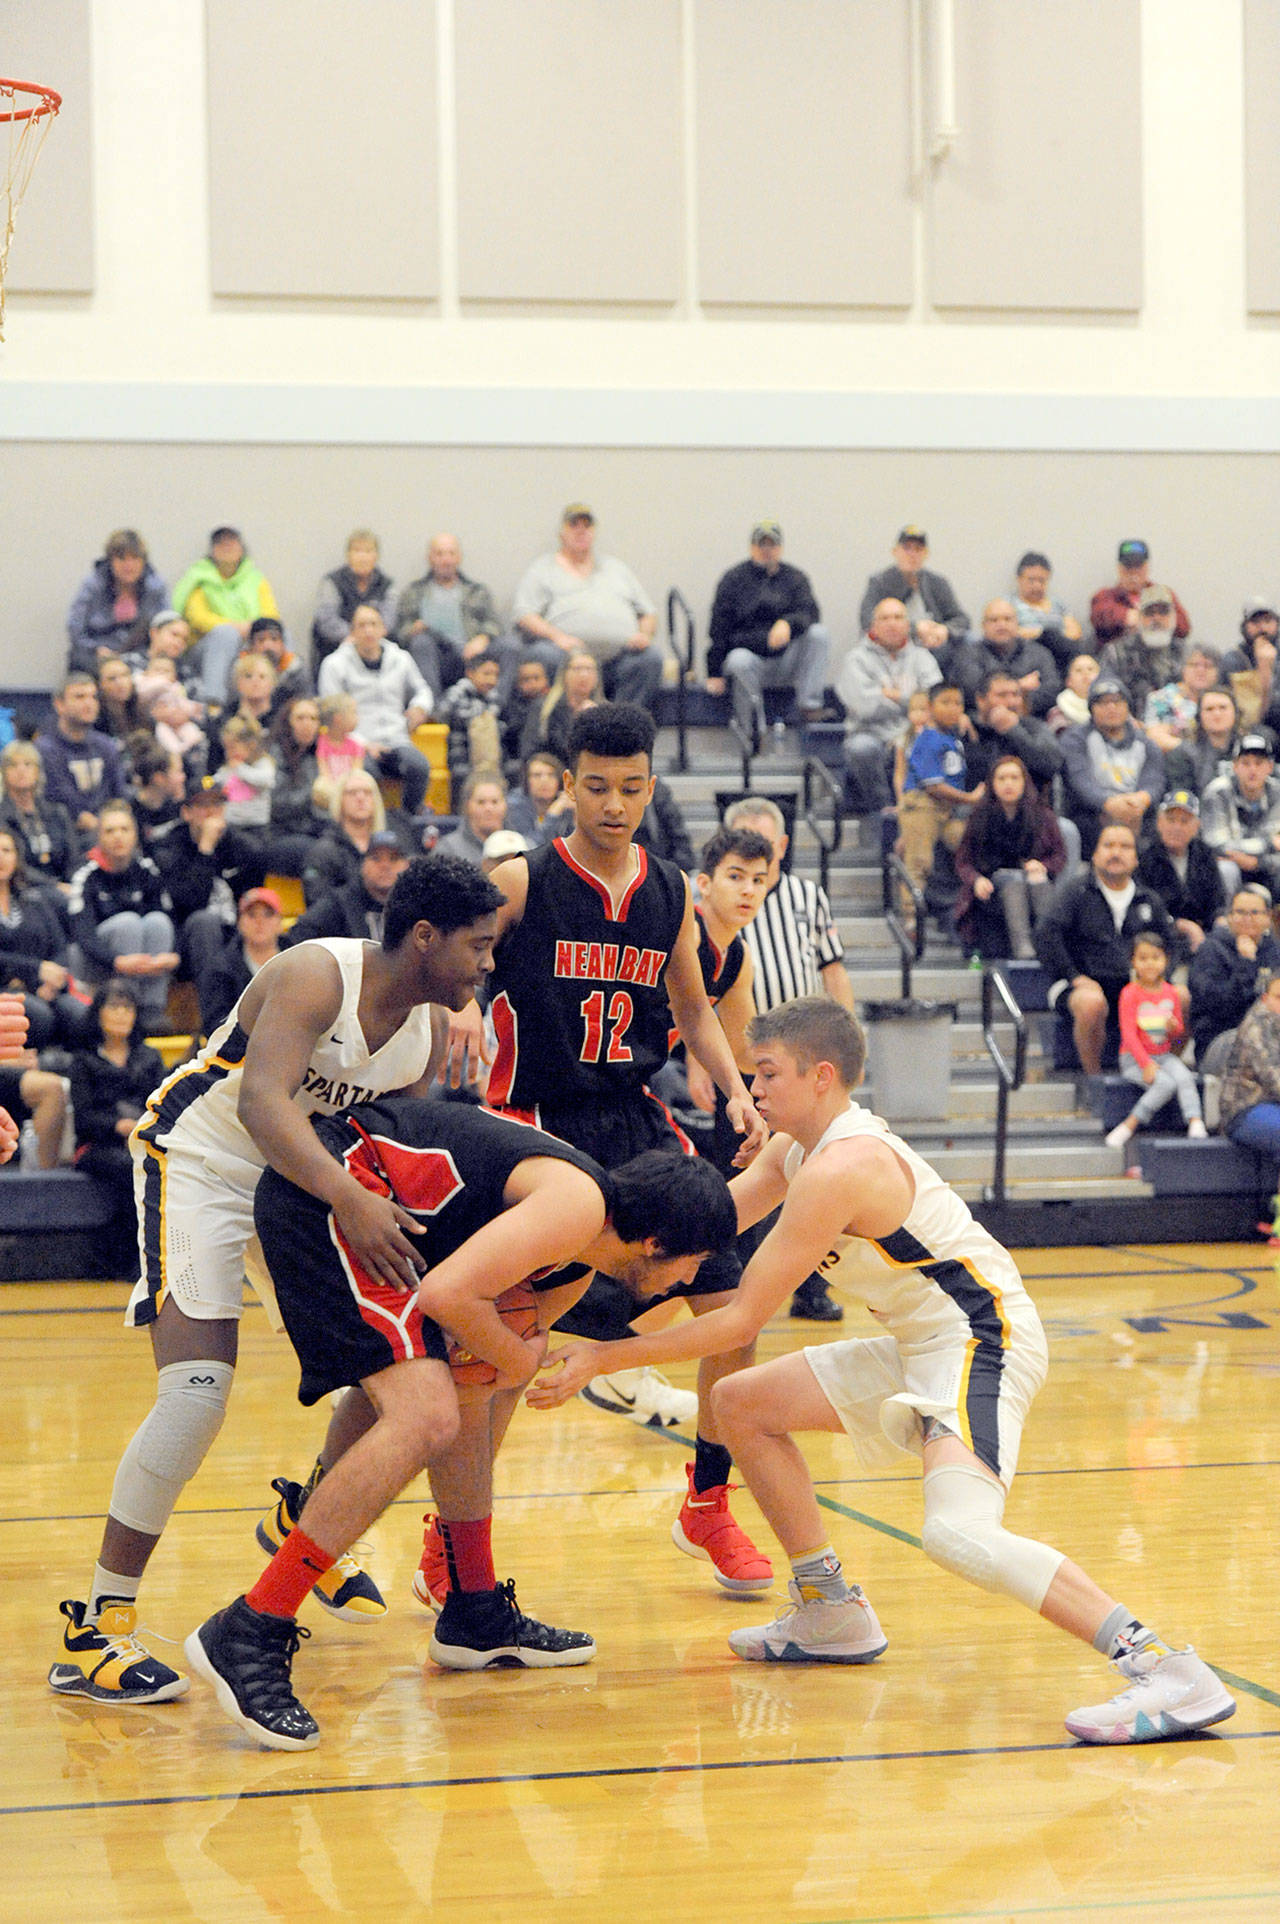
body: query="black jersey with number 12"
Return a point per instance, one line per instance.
(579, 991)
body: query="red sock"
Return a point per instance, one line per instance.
(290, 1576)
(470, 1554)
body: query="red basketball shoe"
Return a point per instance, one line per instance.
(705, 1528)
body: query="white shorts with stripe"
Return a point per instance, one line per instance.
(881, 1393)
(195, 1228)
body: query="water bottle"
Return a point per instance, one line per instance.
(779, 733)
(28, 1148)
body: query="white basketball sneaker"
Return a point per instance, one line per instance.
(815, 1631)
(644, 1396)
(1171, 1691)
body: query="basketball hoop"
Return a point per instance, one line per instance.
(26, 115)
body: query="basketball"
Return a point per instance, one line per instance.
(518, 1308)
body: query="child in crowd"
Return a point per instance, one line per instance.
(247, 775)
(917, 719)
(339, 750)
(471, 710)
(1072, 705)
(522, 711)
(253, 682)
(1152, 1030)
(935, 798)
(173, 716)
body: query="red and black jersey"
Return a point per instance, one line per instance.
(447, 1163)
(720, 967)
(579, 999)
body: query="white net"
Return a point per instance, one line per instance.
(26, 115)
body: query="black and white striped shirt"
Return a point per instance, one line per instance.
(792, 940)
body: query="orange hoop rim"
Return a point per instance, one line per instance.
(46, 100)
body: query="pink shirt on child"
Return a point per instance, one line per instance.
(337, 759)
(1150, 1021)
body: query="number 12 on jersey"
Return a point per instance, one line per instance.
(621, 1009)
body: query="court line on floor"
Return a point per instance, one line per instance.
(1113, 1906)
(601, 1773)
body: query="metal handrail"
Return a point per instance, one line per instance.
(1008, 1078)
(748, 744)
(816, 769)
(676, 603)
(910, 947)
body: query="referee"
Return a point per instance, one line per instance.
(795, 950)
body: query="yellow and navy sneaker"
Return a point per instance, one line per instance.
(105, 1662)
(345, 1590)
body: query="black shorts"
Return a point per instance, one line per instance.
(613, 1133)
(343, 1325)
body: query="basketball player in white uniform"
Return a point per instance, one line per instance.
(951, 1379)
(320, 1027)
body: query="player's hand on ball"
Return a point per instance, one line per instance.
(562, 1376)
(13, 1027)
(750, 1125)
(535, 1348)
(8, 1136)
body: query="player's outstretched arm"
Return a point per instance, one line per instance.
(467, 1052)
(559, 1213)
(298, 996)
(705, 1039)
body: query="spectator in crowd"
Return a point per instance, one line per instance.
(1001, 726)
(575, 599)
(33, 952)
(879, 675)
(1041, 616)
(445, 619)
(1112, 773)
(1029, 662)
(541, 808)
(168, 642)
(159, 785)
(1152, 1037)
(577, 687)
(500, 847)
(266, 636)
(177, 731)
(795, 950)
(1009, 856)
(1210, 748)
(246, 777)
(112, 1074)
(1148, 655)
(44, 829)
(937, 794)
(391, 699)
(82, 766)
(356, 907)
(1249, 1101)
(35, 1095)
(220, 597)
(253, 687)
(663, 830)
(521, 718)
(934, 614)
(255, 938)
(120, 914)
(359, 582)
(1182, 871)
(357, 814)
(1241, 814)
(296, 819)
(206, 867)
(1114, 611)
(766, 632)
(1085, 939)
(1071, 710)
(1230, 966)
(114, 603)
(339, 749)
(120, 711)
(1249, 670)
(484, 812)
(1170, 714)
(471, 711)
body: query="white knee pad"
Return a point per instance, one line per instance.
(171, 1444)
(963, 1532)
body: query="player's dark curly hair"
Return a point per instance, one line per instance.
(445, 890)
(745, 843)
(613, 728)
(683, 1202)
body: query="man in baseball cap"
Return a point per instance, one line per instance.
(1111, 772)
(766, 632)
(1182, 871)
(1114, 611)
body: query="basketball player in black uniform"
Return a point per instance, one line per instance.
(596, 954)
(732, 884)
(497, 1205)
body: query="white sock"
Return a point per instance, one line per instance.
(108, 1585)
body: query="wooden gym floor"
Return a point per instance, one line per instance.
(668, 1780)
